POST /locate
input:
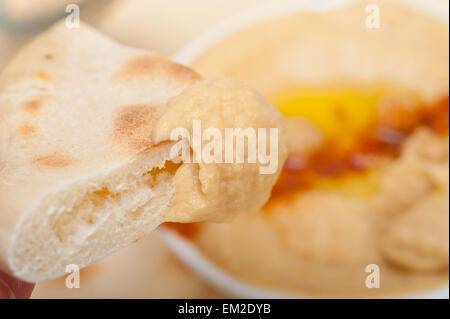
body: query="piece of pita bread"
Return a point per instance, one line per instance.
(85, 150)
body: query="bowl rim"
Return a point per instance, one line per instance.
(183, 248)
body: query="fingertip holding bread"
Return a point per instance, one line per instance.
(85, 151)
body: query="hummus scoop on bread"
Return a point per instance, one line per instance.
(366, 181)
(85, 150)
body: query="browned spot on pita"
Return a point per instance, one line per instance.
(133, 124)
(32, 105)
(26, 129)
(48, 56)
(42, 75)
(155, 66)
(53, 160)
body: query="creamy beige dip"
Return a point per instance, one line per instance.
(317, 240)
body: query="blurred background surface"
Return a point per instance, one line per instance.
(159, 25)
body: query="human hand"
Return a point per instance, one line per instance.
(12, 288)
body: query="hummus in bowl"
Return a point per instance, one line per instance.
(361, 206)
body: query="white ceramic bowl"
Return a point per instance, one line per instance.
(183, 248)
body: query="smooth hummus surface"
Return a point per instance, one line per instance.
(366, 180)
